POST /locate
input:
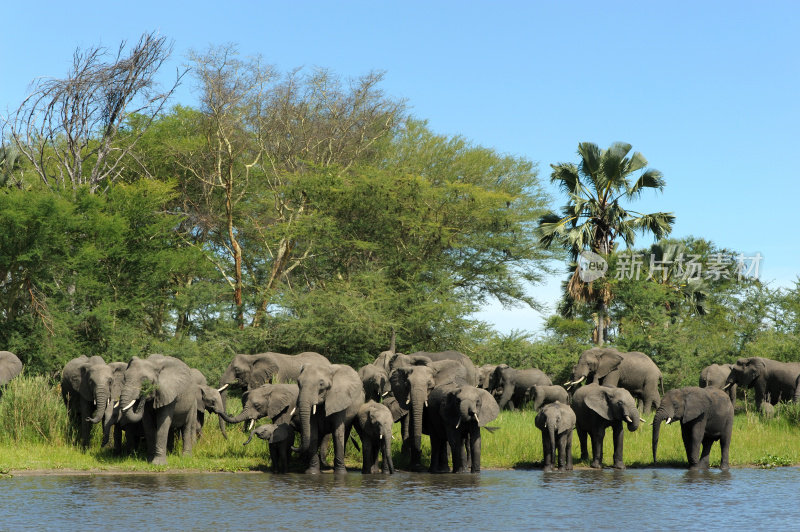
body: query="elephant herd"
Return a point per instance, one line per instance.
(442, 395)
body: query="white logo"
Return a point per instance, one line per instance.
(591, 266)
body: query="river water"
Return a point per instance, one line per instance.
(636, 499)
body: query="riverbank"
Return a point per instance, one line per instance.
(756, 442)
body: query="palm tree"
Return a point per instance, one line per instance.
(594, 218)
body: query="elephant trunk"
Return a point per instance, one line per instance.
(508, 391)
(551, 433)
(387, 450)
(241, 416)
(661, 415)
(305, 426)
(101, 398)
(418, 400)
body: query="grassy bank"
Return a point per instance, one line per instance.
(35, 435)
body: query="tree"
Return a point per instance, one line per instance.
(594, 217)
(71, 130)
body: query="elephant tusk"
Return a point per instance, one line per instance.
(129, 406)
(459, 423)
(381, 436)
(426, 404)
(94, 403)
(384, 394)
(669, 420)
(392, 436)
(292, 412)
(408, 400)
(728, 385)
(545, 425)
(224, 387)
(116, 405)
(628, 419)
(314, 410)
(252, 422)
(478, 421)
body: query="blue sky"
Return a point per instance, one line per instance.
(707, 91)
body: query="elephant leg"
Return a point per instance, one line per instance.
(703, 463)
(404, 423)
(561, 442)
(189, 432)
(691, 442)
(388, 465)
(338, 448)
(725, 447)
(324, 446)
(86, 426)
(567, 448)
(457, 450)
(547, 459)
(582, 440)
(366, 454)
(162, 433)
(597, 436)
(618, 432)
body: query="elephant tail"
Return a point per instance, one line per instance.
(491, 429)
(355, 442)
(661, 380)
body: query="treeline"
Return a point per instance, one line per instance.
(286, 212)
(299, 211)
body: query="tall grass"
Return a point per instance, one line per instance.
(35, 434)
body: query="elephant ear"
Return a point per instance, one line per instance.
(264, 368)
(607, 362)
(597, 400)
(345, 389)
(10, 366)
(489, 407)
(696, 403)
(281, 433)
(173, 378)
(282, 397)
(398, 377)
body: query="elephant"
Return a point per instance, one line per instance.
(112, 420)
(280, 438)
(597, 408)
(411, 386)
(485, 375)
(251, 371)
(274, 401)
(778, 380)
(164, 395)
(706, 415)
(556, 420)
(209, 399)
(376, 384)
(716, 376)
(515, 384)
(10, 367)
(461, 358)
(542, 395)
(86, 391)
(455, 416)
(634, 371)
(329, 396)
(374, 427)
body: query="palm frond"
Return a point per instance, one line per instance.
(649, 179)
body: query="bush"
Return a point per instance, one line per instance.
(31, 410)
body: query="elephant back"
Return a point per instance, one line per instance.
(10, 366)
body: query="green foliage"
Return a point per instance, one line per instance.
(770, 461)
(31, 411)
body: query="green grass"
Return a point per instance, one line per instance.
(35, 435)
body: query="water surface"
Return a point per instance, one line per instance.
(636, 499)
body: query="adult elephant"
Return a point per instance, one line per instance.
(716, 376)
(773, 381)
(706, 416)
(159, 392)
(251, 371)
(86, 391)
(329, 396)
(10, 367)
(375, 380)
(597, 408)
(634, 371)
(516, 384)
(111, 418)
(274, 401)
(461, 358)
(411, 386)
(455, 416)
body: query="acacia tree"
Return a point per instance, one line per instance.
(594, 217)
(70, 129)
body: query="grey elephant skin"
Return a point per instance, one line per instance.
(716, 376)
(597, 408)
(374, 427)
(328, 400)
(113, 417)
(556, 421)
(706, 416)
(280, 439)
(634, 371)
(251, 371)
(274, 401)
(10, 367)
(159, 392)
(773, 381)
(455, 416)
(516, 384)
(375, 380)
(86, 391)
(411, 386)
(542, 395)
(208, 400)
(485, 375)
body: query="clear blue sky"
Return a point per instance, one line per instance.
(707, 91)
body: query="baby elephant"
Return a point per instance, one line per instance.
(544, 395)
(280, 438)
(556, 421)
(374, 426)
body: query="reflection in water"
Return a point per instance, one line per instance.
(521, 500)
